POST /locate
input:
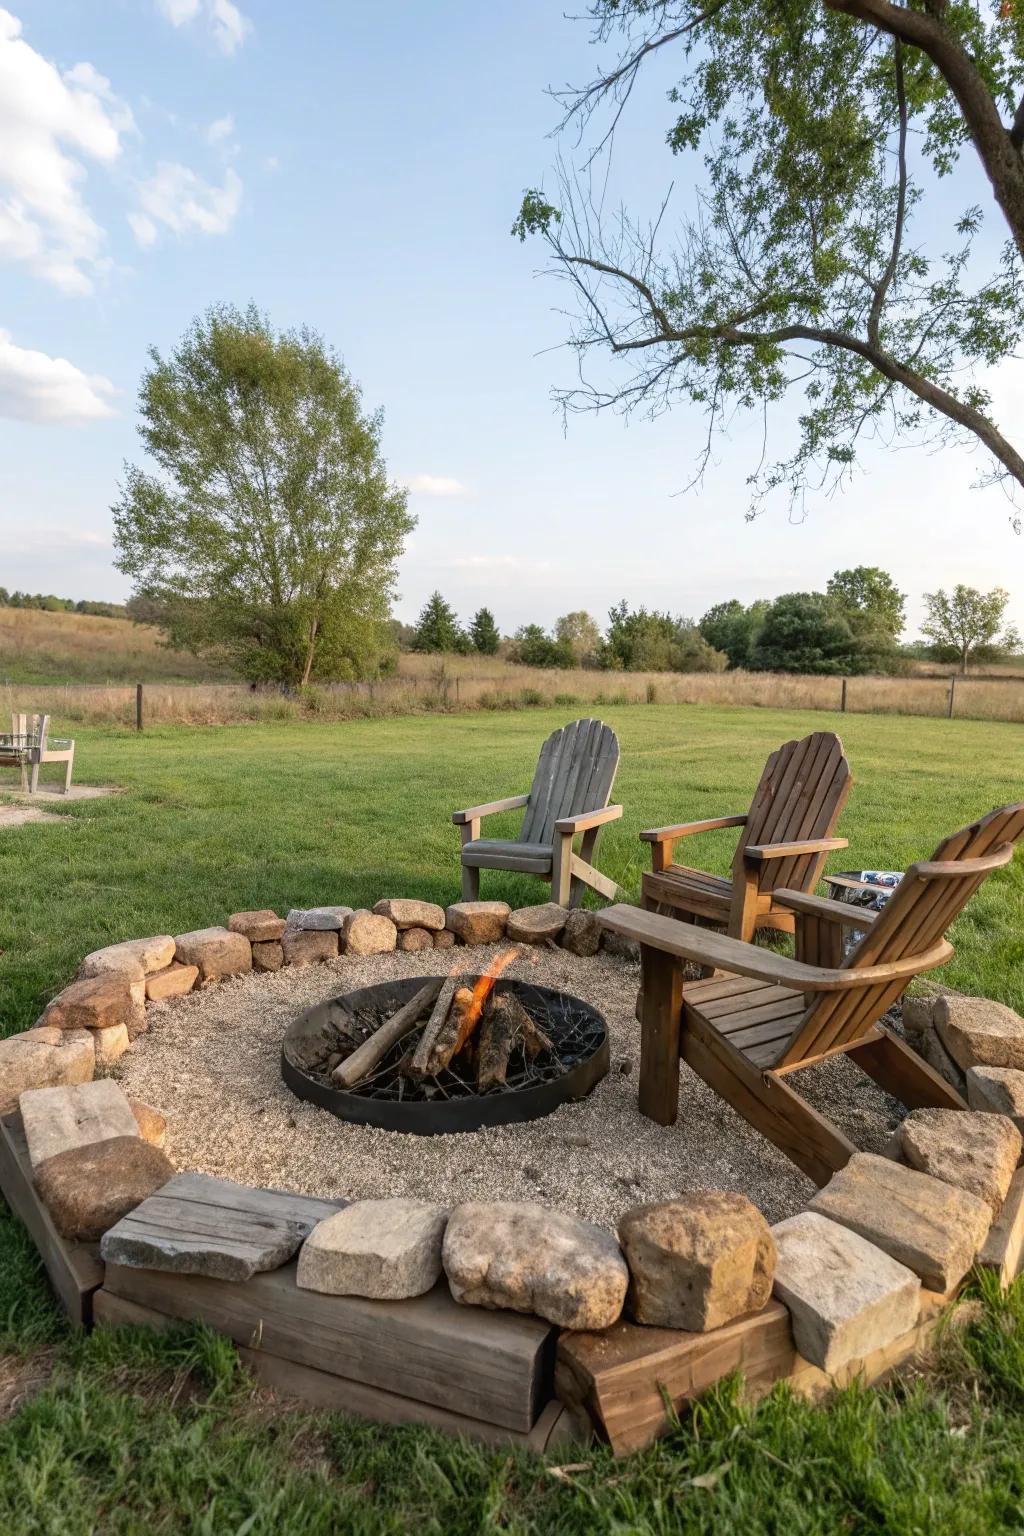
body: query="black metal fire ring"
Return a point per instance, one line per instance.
(473, 1112)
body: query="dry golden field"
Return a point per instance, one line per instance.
(84, 669)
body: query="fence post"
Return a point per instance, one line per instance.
(456, 689)
(138, 706)
(842, 701)
(952, 695)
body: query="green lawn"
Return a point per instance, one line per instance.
(218, 819)
(136, 1434)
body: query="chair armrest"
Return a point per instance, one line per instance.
(831, 911)
(476, 812)
(690, 828)
(761, 851)
(568, 826)
(688, 942)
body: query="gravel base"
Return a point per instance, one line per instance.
(210, 1063)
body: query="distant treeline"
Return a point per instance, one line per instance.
(851, 629)
(48, 603)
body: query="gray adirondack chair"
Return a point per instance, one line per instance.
(569, 796)
(29, 745)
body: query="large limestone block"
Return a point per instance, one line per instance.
(259, 927)
(929, 1046)
(980, 1033)
(698, 1261)
(931, 1227)
(309, 946)
(960, 1146)
(368, 933)
(387, 1249)
(582, 932)
(997, 1091)
(535, 925)
(528, 1259)
(44, 1058)
(88, 1189)
(97, 1002)
(57, 1119)
(173, 981)
(319, 917)
(478, 922)
(407, 913)
(151, 954)
(216, 951)
(845, 1296)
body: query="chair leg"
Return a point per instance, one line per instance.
(34, 782)
(767, 1103)
(661, 991)
(561, 870)
(67, 773)
(470, 883)
(901, 1072)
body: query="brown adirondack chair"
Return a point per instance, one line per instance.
(763, 1016)
(569, 795)
(787, 834)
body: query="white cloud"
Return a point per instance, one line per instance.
(221, 129)
(184, 203)
(37, 387)
(436, 485)
(51, 123)
(228, 26)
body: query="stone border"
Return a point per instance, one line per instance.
(686, 1291)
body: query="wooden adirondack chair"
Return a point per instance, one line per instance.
(763, 1016)
(569, 795)
(786, 836)
(29, 745)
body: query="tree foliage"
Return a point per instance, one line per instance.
(734, 629)
(483, 633)
(803, 632)
(822, 254)
(271, 532)
(579, 637)
(643, 641)
(965, 624)
(437, 628)
(871, 601)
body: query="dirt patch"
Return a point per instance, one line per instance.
(23, 815)
(22, 1377)
(210, 1063)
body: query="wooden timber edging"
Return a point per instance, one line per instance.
(75, 1269)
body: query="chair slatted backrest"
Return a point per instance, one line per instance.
(802, 791)
(914, 920)
(30, 730)
(575, 773)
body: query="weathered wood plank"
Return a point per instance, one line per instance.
(319, 1389)
(493, 1366)
(622, 1376)
(74, 1269)
(196, 1223)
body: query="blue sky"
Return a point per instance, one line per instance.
(358, 168)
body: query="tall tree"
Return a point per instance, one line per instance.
(965, 621)
(870, 599)
(826, 128)
(578, 635)
(437, 628)
(802, 632)
(483, 632)
(734, 629)
(271, 533)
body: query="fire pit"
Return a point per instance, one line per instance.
(430, 1055)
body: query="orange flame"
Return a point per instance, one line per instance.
(485, 985)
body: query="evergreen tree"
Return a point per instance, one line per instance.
(483, 632)
(437, 628)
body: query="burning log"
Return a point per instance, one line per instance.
(372, 1051)
(496, 1041)
(424, 1051)
(463, 1017)
(525, 1032)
